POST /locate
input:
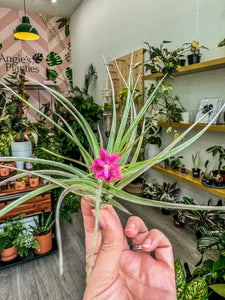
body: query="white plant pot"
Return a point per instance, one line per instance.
(185, 116)
(151, 150)
(21, 149)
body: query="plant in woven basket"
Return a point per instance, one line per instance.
(106, 171)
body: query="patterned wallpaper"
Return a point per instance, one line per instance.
(32, 55)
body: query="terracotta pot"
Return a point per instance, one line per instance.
(34, 181)
(45, 243)
(19, 185)
(9, 254)
(4, 172)
(11, 164)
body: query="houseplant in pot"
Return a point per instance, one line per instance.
(151, 141)
(218, 175)
(74, 179)
(202, 221)
(207, 175)
(196, 161)
(42, 233)
(20, 183)
(33, 180)
(15, 239)
(195, 55)
(166, 192)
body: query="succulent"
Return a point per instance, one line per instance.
(165, 192)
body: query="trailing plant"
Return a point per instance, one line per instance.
(43, 227)
(87, 178)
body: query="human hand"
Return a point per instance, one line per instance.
(122, 274)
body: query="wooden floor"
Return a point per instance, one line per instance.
(40, 279)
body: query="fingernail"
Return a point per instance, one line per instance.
(147, 242)
(130, 227)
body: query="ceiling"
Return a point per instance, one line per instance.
(62, 8)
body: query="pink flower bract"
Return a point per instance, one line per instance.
(107, 166)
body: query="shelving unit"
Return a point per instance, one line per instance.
(218, 127)
(192, 69)
(189, 179)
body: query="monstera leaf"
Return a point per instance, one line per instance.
(51, 74)
(53, 59)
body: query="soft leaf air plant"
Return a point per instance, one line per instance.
(107, 164)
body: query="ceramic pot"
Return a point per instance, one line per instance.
(196, 173)
(20, 185)
(151, 150)
(33, 182)
(185, 116)
(9, 254)
(45, 243)
(21, 149)
(181, 61)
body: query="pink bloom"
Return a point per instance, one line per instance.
(107, 166)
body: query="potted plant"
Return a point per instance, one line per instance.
(218, 175)
(175, 162)
(166, 192)
(151, 141)
(195, 55)
(33, 180)
(3, 170)
(43, 233)
(207, 175)
(176, 220)
(20, 183)
(183, 169)
(196, 161)
(202, 220)
(181, 60)
(15, 239)
(161, 59)
(136, 187)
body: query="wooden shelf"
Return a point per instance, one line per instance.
(189, 179)
(192, 69)
(218, 128)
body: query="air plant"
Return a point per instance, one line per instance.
(101, 184)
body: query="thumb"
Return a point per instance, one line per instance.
(109, 255)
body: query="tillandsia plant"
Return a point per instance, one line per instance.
(106, 172)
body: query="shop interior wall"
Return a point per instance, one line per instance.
(114, 28)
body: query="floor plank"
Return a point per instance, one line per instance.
(40, 280)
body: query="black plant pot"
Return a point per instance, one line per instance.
(165, 211)
(193, 59)
(196, 173)
(181, 61)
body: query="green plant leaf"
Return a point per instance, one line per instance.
(180, 279)
(53, 59)
(218, 288)
(197, 289)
